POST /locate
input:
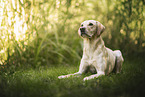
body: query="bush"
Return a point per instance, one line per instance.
(35, 33)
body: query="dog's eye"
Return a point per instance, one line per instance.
(81, 25)
(90, 24)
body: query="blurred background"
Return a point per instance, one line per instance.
(44, 32)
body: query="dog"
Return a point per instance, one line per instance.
(96, 57)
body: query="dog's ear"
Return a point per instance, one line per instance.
(100, 28)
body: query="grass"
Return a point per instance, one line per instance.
(43, 82)
(42, 34)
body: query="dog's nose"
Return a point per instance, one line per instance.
(82, 29)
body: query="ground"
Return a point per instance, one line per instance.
(43, 82)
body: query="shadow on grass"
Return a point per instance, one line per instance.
(43, 82)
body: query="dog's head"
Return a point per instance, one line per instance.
(90, 28)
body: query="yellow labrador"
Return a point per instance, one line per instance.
(96, 57)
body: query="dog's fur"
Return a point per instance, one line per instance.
(96, 57)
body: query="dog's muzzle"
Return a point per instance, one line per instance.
(84, 32)
(82, 29)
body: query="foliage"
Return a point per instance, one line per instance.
(129, 18)
(39, 41)
(44, 32)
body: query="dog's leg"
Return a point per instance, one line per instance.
(82, 69)
(119, 61)
(99, 73)
(66, 76)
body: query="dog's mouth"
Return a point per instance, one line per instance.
(84, 34)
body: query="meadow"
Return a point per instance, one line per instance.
(39, 42)
(43, 82)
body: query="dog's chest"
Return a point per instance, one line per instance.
(92, 54)
(93, 50)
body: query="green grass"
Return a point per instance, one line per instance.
(48, 46)
(43, 82)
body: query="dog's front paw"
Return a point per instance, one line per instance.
(62, 76)
(88, 78)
